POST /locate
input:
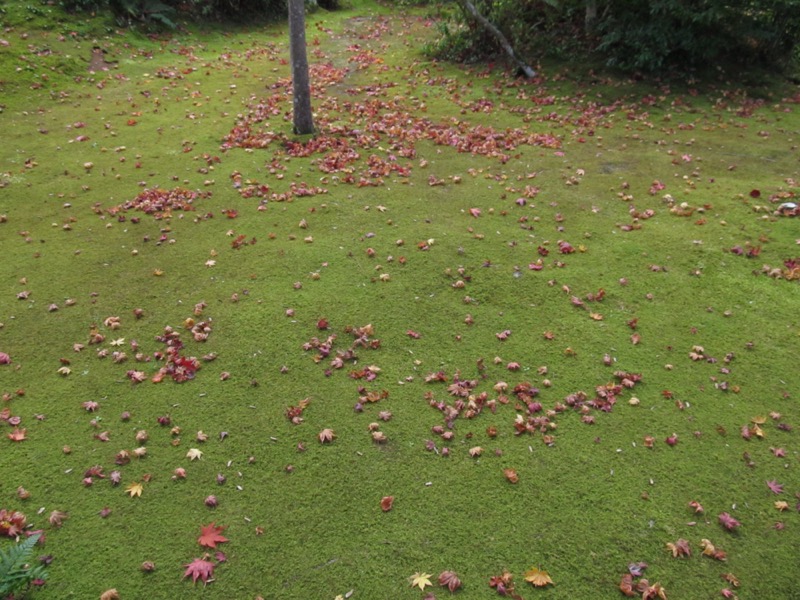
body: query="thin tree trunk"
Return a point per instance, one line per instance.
(590, 18)
(301, 87)
(467, 6)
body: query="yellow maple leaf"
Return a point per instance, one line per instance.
(420, 580)
(537, 577)
(708, 547)
(194, 454)
(135, 489)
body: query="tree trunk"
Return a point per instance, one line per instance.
(470, 9)
(590, 18)
(301, 87)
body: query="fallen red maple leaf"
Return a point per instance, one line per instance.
(449, 580)
(211, 535)
(679, 548)
(698, 508)
(728, 522)
(775, 487)
(12, 523)
(199, 568)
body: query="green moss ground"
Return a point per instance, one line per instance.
(583, 509)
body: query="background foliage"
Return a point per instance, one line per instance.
(158, 13)
(635, 34)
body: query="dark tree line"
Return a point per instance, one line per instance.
(166, 13)
(647, 35)
(634, 35)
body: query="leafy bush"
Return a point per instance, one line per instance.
(412, 2)
(164, 12)
(459, 43)
(636, 35)
(128, 12)
(650, 35)
(238, 10)
(83, 5)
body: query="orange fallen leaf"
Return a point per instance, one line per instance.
(211, 535)
(18, 434)
(511, 475)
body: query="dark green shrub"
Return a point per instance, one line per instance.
(83, 5)
(637, 34)
(634, 35)
(128, 12)
(238, 10)
(164, 12)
